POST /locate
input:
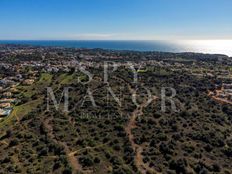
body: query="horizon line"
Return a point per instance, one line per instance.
(116, 39)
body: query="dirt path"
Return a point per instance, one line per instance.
(222, 101)
(71, 157)
(218, 99)
(138, 149)
(4, 142)
(85, 148)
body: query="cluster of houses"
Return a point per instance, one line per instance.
(6, 97)
(226, 92)
(8, 89)
(223, 93)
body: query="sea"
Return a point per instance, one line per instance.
(200, 46)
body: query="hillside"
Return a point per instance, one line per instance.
(101, 134)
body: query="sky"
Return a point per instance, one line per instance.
(115, 19)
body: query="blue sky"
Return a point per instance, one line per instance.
(115, 19)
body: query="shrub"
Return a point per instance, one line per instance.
(228, 151)
(86, 161)
(68, 170)
(13, 142)
(97, 160)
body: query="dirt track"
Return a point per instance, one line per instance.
(71, 158)
(138, 149)
(218, 99)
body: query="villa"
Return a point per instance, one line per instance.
(5, 112)
(5, 105)
(5, 100)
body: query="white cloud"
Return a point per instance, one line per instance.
(91, 36)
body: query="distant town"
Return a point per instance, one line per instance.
(23, 64)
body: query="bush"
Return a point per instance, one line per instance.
(13, 142)
(228, 151)
(165, 149)
(117, 147)
(97, 160)
(86, 161)
(180, 166)
(115, 161)
(216, 168)
(68, 170)
(56, 166)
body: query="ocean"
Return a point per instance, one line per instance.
(202, 46)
